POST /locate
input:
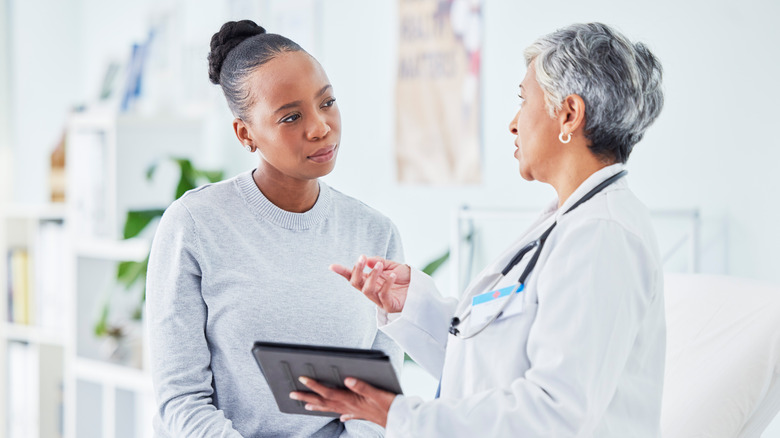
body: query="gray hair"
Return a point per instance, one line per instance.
(619, 81)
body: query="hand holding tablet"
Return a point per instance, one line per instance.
(283, 365)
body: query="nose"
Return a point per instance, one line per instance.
(319, 128)
(513, 124)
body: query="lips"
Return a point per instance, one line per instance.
(323, 155)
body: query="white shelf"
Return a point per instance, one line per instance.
(118, 250)
(117, 376)
(32, 334)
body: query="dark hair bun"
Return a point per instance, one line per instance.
(229, 36)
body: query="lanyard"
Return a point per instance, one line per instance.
(538, 244)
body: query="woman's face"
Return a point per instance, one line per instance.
(294, 121)
(537, 133)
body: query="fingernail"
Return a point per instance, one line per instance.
(349, 381)
(379, 266)
(303, 380)
(294, 396)
(392, 275)
(309, 407)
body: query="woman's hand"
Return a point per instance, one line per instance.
(360, 402)
(386, 285)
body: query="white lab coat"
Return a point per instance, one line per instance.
(581, 353)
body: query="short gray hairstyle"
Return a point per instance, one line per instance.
(619, 81)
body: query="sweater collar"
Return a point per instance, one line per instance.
(267, 210)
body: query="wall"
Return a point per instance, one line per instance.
(44, 47)
(711, 148)
(5, 105)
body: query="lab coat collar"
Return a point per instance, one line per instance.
(592, 181)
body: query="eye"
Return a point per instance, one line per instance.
(329, 103)
(522, 100)
(291, 118)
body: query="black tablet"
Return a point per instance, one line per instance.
(282, 364)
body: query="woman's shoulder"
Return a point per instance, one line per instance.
(206, 198)
(345, 205)
(618, 210)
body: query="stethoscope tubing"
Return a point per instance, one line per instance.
(537, 244)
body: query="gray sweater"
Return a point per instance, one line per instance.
(228, 268)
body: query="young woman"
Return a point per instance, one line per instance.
(246, 259)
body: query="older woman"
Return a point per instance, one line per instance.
(563, 335)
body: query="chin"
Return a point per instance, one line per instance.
(525, 173)
(325, 170)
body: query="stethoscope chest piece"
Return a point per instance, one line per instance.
(454, 323)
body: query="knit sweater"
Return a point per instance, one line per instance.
(228, 268)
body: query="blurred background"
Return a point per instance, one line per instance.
(95, 93)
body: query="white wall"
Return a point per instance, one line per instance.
(713, 146)
(44, 85)
(5, 105)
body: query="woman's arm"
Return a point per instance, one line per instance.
(176, 314)
(409, 307)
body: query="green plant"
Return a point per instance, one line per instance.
(130, 273)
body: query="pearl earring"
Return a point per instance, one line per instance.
(248, 148)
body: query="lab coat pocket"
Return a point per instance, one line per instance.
(510, 333)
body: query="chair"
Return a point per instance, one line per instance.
(722, 374)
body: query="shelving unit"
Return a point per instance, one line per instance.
(117, 392)
(108, 159)
(60, 379)
(32, 340)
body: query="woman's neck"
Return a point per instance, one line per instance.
(574, 174)
(289, 194)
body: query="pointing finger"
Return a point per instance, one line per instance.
(341, 270)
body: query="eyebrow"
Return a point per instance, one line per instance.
(298, 102)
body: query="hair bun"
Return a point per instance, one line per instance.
(229, 36)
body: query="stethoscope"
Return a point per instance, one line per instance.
(538, 244)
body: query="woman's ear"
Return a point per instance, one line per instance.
(242, 132)
(572, 114)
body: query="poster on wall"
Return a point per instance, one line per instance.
(437, 92)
